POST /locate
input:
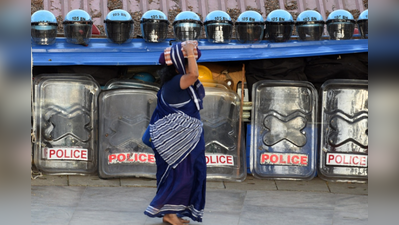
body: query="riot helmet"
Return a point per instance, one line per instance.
(43, 27)
(249, 27)
(363, 24)
(119, 26)
(187, 26)
(154, 26)
(279, 25)
(218, 27)
(340, 25)
(310, 25)
(77, 27)
(144, 76)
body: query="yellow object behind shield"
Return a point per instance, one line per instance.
(205, 74)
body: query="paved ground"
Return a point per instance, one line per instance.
(89, 200)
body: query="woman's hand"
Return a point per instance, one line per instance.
(189, 47)
(191, 75)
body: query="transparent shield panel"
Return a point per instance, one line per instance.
(135, 84)
(225, 149)
(344, 130)
(65, 114)
(283, 130)
(124, 115)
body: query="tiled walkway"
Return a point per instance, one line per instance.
(90, 200)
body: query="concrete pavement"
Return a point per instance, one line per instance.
(89, 200)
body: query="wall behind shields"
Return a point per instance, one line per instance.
(99, 9)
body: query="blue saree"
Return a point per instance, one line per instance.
(177, 139)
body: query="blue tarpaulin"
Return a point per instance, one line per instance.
(138, 52)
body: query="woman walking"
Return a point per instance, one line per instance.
(176, 135)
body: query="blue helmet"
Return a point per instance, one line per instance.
(147, 77)
(279, 25)
(218, 16)
(340, 14)
(154, 26)
(250, 27)
(309, 16)
(77, 27)
(43, 27)
(279, 16)
(77, 15)
(118, 26)
(310, 25)
(218, 27)
(364, 15)
(43, 16)
(187, 26)
(340, 25)
(250, 17)
(118, 15)
(363, 24)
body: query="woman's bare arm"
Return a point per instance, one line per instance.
(191, 75)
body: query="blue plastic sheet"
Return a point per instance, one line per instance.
(138, 52)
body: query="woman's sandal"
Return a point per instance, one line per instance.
(181, 220)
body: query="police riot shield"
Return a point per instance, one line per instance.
(344, 130)
(225, 149)
(128, 83)
(283, 130)
(65, 123)
(124, 114)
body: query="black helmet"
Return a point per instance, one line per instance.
(310, 25)
(154, 26)
(43, 27)
(279, 25)
(77, 27)
(119, 26)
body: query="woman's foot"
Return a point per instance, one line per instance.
(183, 220)
(174, 220)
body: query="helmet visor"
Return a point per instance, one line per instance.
(154, 31)
(249, 33)
(44, 34)
(310, 32)
(77, 33)
(340, 30)
(187, 31)
(278, 32)
(219, 32)
(118, 32)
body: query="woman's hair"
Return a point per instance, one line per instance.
(167, 73)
